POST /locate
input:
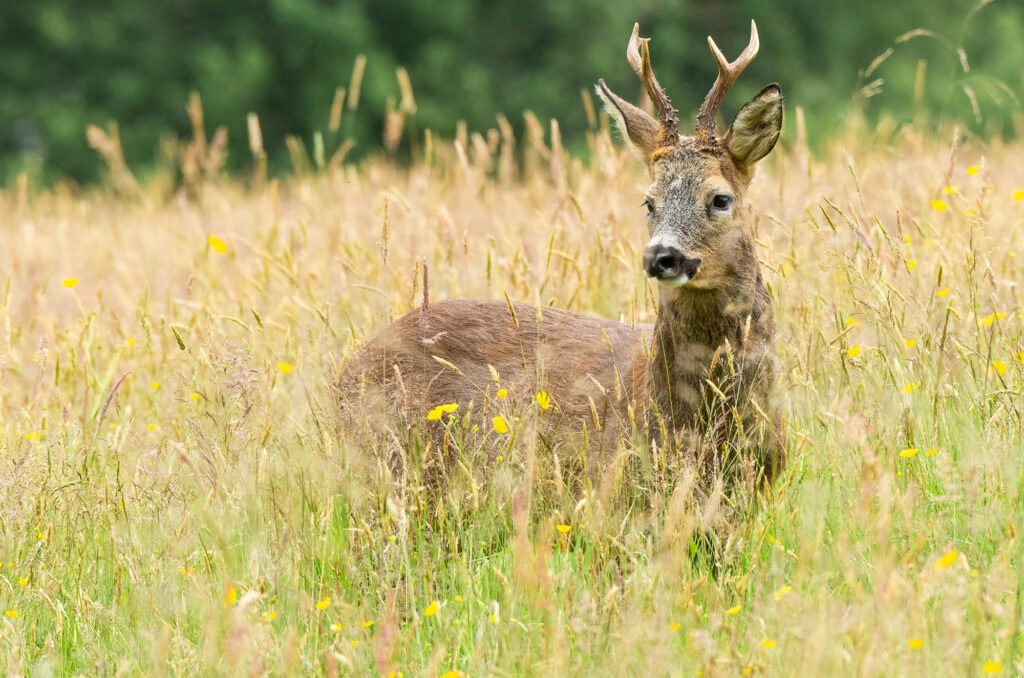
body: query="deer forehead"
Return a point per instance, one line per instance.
(688, 170)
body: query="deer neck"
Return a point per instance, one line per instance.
(693, 325)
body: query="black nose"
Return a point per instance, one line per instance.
(668, 263)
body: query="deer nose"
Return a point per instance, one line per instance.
(668, 263)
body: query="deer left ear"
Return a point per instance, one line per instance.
(756, 128)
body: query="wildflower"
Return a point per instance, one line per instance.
(11, 613)
(747, 670)
(909, 453)
(907, 238)
(674, 627)
(946, 560)
(1000, 367)
(353, 643)
(499, 424)
(42, 536)
(911, 265)
(987, 320)
(449, 408)
(939, 205)
(323, 604)
(232, 596)
(930, 452)
(494, 619)
(336, 627)
(971, 171)
(22, 581)
(152, 427)
(543, 399)
(910, 388)
(69, 282)
(458, 599)
(915, 643)
(285, 367)
(996, 667)
(154, 385)
(943, 292)
(452, 674)
(1020, 356)
(431, 609)
(564, 529)
(500, 458)
(910, 343)
(367, 624)
(195, 396)
(1018, 195)
(270, 616)
(850, 322)
(767, 644)
(131, 342)
(783, 592)
(217, 245)
(734, 610)
(434, 414)
(950, 190)
(502, 392)
(853, 351)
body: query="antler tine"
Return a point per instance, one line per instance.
(727, 74)
(639, 56)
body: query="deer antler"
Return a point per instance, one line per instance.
(639, 57)
(727, 74)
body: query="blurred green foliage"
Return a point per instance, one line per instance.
(68, 63)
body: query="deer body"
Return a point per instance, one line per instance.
(701, 377)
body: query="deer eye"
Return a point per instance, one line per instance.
(721, 201)
(650, 205)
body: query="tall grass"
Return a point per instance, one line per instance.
(176, 497)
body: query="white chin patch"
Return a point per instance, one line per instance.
(672, 283)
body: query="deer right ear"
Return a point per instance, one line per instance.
(637, 126)
(757, 126)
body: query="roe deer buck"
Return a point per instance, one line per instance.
(699, 381)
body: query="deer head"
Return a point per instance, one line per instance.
(697, 218)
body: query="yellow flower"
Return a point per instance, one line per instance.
(734, 610)
(458, 599)
(502, 392)
(910, 343)
(907, 238)
(323, 604)
(674, 627)
(499, 424)
(1020, 356)
(971, 171)
(431, 609)
(994, 667)
(152, 427)
(232, 596)
(939, 205)
(747, 670)
(911, 265)
(353, 643)
(909, 453)
(69, 282)
(285, 367)
(449, 408)
(950, 190)
(850, 322)
(543, 399)
(452, 674)
(154, 385)
(946, 560)
(131, 342)
(434, 414)
(943, 292)
(217, 244)
(367, 624)
(22, 581)
(853, 351)
(1018, 195)
(336, 627)
(783, 592)
(987, 320)
(195, 396)
(767, 644)
(930, 452)
(563, 528)
(11, 613)
(270, 616)
(494, 618)
(915, 643)
(910, 388)
(999, 366)
(42, 536)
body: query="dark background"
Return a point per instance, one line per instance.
(68, 63)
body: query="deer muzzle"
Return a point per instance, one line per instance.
(669, 266)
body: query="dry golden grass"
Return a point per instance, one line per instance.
(176, 497)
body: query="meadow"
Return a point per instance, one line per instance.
(177, 496)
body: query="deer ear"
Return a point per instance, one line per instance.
(637, 126)
(756, 128)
